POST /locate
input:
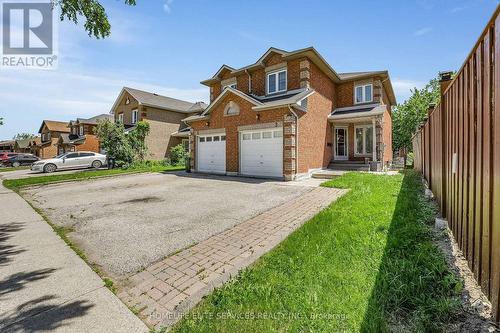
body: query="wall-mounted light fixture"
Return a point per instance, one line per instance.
(257, 116)
(207, 123)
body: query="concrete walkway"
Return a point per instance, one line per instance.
(166, 290)
(45, 286)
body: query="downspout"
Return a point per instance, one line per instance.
(249, 81)
(296, 141)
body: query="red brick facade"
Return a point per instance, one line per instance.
(308, 142)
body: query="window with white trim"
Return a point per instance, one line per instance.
(120, 117)
(232, 85)
(276, 81)
(82, 132)
(135, 116)
(363, 93)
(363, 140)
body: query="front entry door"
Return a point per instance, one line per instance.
(341, 143)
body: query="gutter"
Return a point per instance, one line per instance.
(249, 81)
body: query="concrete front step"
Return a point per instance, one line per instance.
(327, 174)
(349, 166)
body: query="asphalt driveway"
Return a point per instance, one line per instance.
(127, 223)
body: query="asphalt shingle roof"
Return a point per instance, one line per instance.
(163, 102)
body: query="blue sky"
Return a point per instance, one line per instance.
(169, 46)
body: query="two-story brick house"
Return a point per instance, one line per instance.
(289, 114)
(164, 115)
(46, 146)
(82, 136)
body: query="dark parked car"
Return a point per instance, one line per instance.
(4, 156)
(20, 159)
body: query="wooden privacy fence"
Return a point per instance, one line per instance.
(458, 152)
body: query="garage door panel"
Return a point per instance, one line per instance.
(262, 153)
(211, 153)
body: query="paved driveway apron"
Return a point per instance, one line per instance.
(124, 224)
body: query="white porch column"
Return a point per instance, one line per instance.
(374, 140)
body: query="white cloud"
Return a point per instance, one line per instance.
(402, 88)
(61, 95)
(423, 31)
(167, 6)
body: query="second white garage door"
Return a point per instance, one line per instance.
(211, 153)
(261, 153)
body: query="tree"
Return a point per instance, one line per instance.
(22, 136)
(1, 121)
(96, 19)
(115, 142)
(407, 117)
(137, 140)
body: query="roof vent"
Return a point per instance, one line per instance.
(155, 94)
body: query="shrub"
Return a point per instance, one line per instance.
(178, 155)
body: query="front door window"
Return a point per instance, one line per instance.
(341, 143)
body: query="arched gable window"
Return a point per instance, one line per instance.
(231, 109)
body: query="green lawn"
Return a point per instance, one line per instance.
(14, 169)
(15, 184)
(365, 263)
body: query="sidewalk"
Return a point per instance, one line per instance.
(45, 286)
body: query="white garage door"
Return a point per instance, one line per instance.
(211, 153)
(262, 152)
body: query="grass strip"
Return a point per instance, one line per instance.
(16, 184)
(367, 263)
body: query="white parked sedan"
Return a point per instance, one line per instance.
(73, 160)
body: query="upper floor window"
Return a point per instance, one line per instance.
(120, 117)
(276, 81)
(363, 93)
(135, 116)
(127, 101)
(232, 85)
(81, 130)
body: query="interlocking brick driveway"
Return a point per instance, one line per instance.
(170, 287)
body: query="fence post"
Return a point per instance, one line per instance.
(444, 81)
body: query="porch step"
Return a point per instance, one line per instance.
(327, 174)
(351, 166)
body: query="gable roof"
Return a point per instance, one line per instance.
(23, 143)
(92, 120)
(154, 100)
(312, 54)
(291, 98)
(55, 126)
(224, 93)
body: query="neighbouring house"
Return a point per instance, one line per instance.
(164, 115)
(46, 146)
(23, 145)
(289, 114)
(81, 136)
(7, 145)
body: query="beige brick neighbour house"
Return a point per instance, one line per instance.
(289, 114)
(164, 115)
